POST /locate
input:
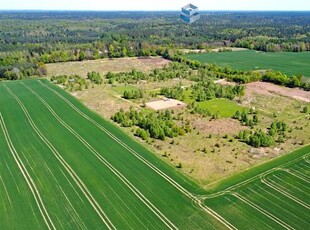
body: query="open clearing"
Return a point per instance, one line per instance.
(205, 154)
(105, 65)
(288, 63)
(272, 89)
(274, 195)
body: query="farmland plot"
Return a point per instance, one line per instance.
(77, 171)
(275, 199)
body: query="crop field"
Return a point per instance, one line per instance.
(288, 63)
(64, 167)
(273, 196)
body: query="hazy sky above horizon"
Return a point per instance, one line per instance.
(303, 5)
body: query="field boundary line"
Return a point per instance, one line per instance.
(35, 192)
(119, 175)
(266, 182)
(258, 176)
(306, 159)
(274, 203)
(263, 211)
(297, 186)
(71, 172)
(298, 175)
(150, 165)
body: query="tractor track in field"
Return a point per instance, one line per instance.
(245, 182)
(119, 175)
(194, 198)
(263, 211)
(67, 167)
(30, 182)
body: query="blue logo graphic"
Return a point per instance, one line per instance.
(190, 13)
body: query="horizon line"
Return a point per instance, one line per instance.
(64, 10)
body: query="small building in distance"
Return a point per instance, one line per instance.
(189, 13)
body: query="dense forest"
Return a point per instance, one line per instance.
(29, 39)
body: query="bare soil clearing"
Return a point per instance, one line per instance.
(165, 103)
(270, 89)
(105, 65)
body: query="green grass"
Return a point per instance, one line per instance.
(224, 107)
(120, 89)
(287, 62)
(81, 144)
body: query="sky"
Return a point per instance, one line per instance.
(146, 5)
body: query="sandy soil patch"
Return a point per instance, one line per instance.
(165, 103)
(224, 82)
(186, 51)
(234, 49)
(270, 89)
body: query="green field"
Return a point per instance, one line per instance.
(64, 167)
(288, 63)
(271, 196)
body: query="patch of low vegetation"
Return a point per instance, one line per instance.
(71, 82)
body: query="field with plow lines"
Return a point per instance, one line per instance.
(64, 167)
(274, 198)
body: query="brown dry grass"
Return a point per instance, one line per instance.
(106, 65)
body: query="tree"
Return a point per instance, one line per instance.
(42, 70)
(255, 119)
(82, 56)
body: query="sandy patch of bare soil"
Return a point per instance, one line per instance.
(165, 103)
(270, 89)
